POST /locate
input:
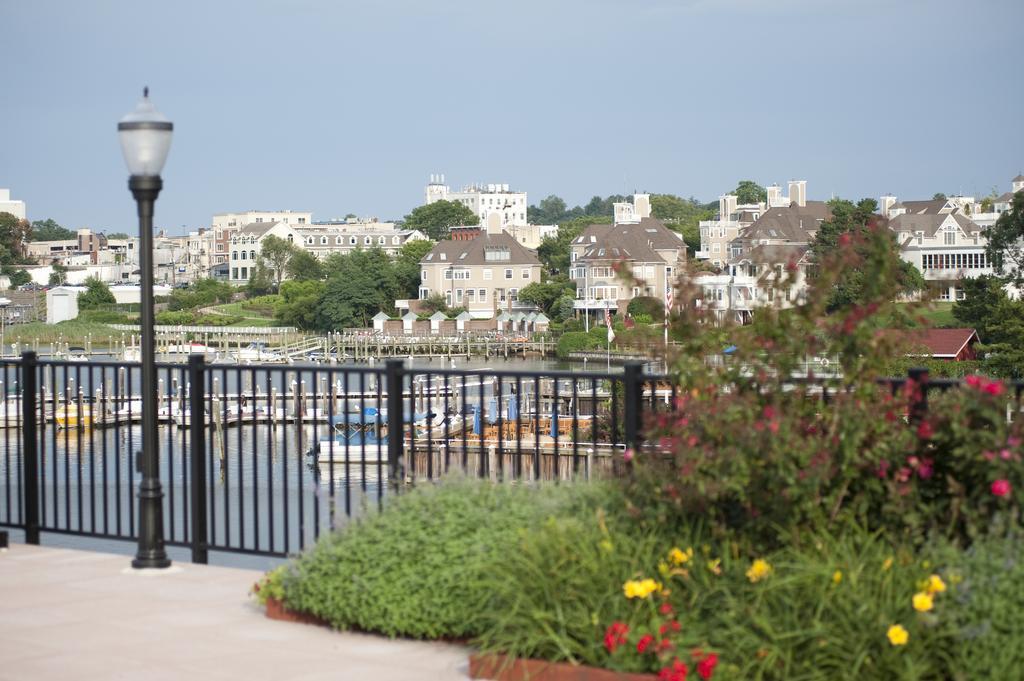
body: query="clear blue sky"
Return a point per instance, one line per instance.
(338, 106)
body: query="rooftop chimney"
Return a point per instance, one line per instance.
(798, 192)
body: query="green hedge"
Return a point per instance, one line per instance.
(417, 568)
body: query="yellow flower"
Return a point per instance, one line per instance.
(887, 564)
(758, 570)
(922, 602)
(606, 545)
(679, 557)
(663, 569)
(715, 566)
(837, 576)
(935, 585)
(898, 636)
(640, 588)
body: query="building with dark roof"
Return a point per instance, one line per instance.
(483, 274)
(636, 256)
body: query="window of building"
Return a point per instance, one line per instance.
(245, 273)
(458, 295)
(488, 274)
(482, 294)
(424, 292)
(471, 295)
(243, 255)
(381, 241)
(396, 240)
(496, 253)
(234, 273)
(234, 255)
(367, 241)
(526, 273)
(252, 255)
(949, 237)
(508, 274)
(513, 294)
(423, 275)
(338, 241)
(352, 240)
(716, 247)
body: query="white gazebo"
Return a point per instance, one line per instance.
(407, 321)
(435, 321)
(378, 321)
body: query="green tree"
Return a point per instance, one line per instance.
(545, 294)
(49, 230)
(1003, 242)
(19, 278)
(298, 303)
(96, 295)
(59, 275)
(13, 235)
(201, 293)
(304, 266)
(436, 219)
(261, 280)
(407, 266)
(119, 235)
(553, 251)
(435, 302)
(564, 308)
(359, 285)
(982, 297)
(748, 191)
(275, 253)
(857, 226)
(939, 196)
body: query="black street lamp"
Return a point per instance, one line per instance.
(145, 136)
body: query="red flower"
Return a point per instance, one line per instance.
(665, 644)
(768, 412)
(973, 381)
(706, 667)
(676, 672)
(665, 609)
(672, 625)
(644, 643)
(925, 470)
(924, 431)
(615, 636)
(1001, 488)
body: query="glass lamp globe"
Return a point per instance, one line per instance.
(145, 136)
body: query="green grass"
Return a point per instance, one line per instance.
(940, 315)
(73, 332)
(249, 316)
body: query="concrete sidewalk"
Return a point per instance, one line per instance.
(80, 615)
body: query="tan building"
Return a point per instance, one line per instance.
(484, 274)
(643, 245)
(226, 225)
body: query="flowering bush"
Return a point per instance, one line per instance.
(763, 449)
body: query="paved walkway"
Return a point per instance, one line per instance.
(68, 614)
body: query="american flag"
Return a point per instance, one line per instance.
(668, 300)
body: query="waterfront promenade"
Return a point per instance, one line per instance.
(77, 614)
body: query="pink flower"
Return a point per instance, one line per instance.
(993, 388)
(883, 469)
(1005, 455)
(974, 381)
(989, 456)
(925, 470)
(924, 431)
(627, 455)
(768, 412)
(1001, 488)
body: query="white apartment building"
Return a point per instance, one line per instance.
(12, 206)
(324, 239)
(636, 243)
(484, 274)
(224, 225)
(482, 199)
(247, 242)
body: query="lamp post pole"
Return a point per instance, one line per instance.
(151, 553)
(145, 140)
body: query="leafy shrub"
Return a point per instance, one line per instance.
(416, 568)
(576, 341)
(218, 320)
(653, 308)
(262, 304)
(174, 318)
(106, 317)
(96, 294)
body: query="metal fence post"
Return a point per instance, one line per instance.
(197, 456)
(633, 402)
(30, 453)
(919, 406)
(394, 372)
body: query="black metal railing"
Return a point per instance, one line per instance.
(262, 459)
